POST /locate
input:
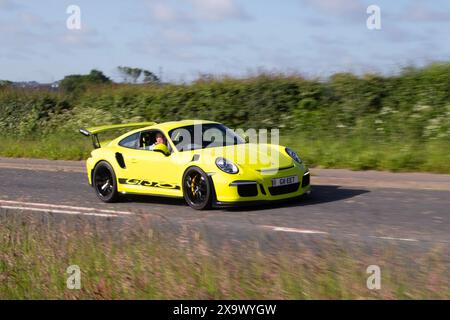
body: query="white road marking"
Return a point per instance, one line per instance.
(399, 239)
(284, 229)
(59, 211)
(60, 206)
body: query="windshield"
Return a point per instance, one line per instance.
(203, 136)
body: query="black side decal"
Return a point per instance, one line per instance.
(146, 183)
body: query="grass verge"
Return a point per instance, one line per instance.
(351, 153)
(138, 262)
(364, 154)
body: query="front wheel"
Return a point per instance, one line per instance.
(104, 182)
(197, 189)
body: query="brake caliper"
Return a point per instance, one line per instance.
(193, 185)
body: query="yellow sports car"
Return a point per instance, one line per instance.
(203, 162)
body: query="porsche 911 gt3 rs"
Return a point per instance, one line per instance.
(203, 162)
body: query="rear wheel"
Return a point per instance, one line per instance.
(197, 189)
(104, 182)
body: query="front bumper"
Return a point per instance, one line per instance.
(254, 203)
(255, 187)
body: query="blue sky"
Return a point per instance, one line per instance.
(185, 38)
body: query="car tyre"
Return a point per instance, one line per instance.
(104, 182)
(197, 189)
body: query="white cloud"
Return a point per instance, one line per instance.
(175, 40)
(178, 34)
(28, 35)
(7, 5)
(218, 10)
(85, 38)
(338, 8)
(418, 11)
(163, 12)
(166, 13)
(196, 11)
(177, 37)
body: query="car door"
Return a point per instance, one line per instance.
(123, 157)
(152, 172)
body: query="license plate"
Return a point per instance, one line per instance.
(278, 182)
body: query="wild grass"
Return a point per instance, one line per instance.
(139, 262)
(352, 153)
(53, 147)
(359, 153)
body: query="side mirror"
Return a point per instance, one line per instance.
(162, 148)
(246, 138)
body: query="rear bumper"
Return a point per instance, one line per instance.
(89, 169)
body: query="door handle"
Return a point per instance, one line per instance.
(133, 160)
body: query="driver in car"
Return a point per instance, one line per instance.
(159, 139)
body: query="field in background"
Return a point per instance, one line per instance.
(398, 122)
(35, 251)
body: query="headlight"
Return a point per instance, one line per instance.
(226, 165)
(293, 155)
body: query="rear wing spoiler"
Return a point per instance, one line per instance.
(94, 131)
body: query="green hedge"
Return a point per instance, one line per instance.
(410, 108)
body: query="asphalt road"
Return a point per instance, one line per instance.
(378, 208)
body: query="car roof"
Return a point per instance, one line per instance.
(167, 126)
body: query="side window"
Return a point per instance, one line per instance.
(131, 141)
(148, 139)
